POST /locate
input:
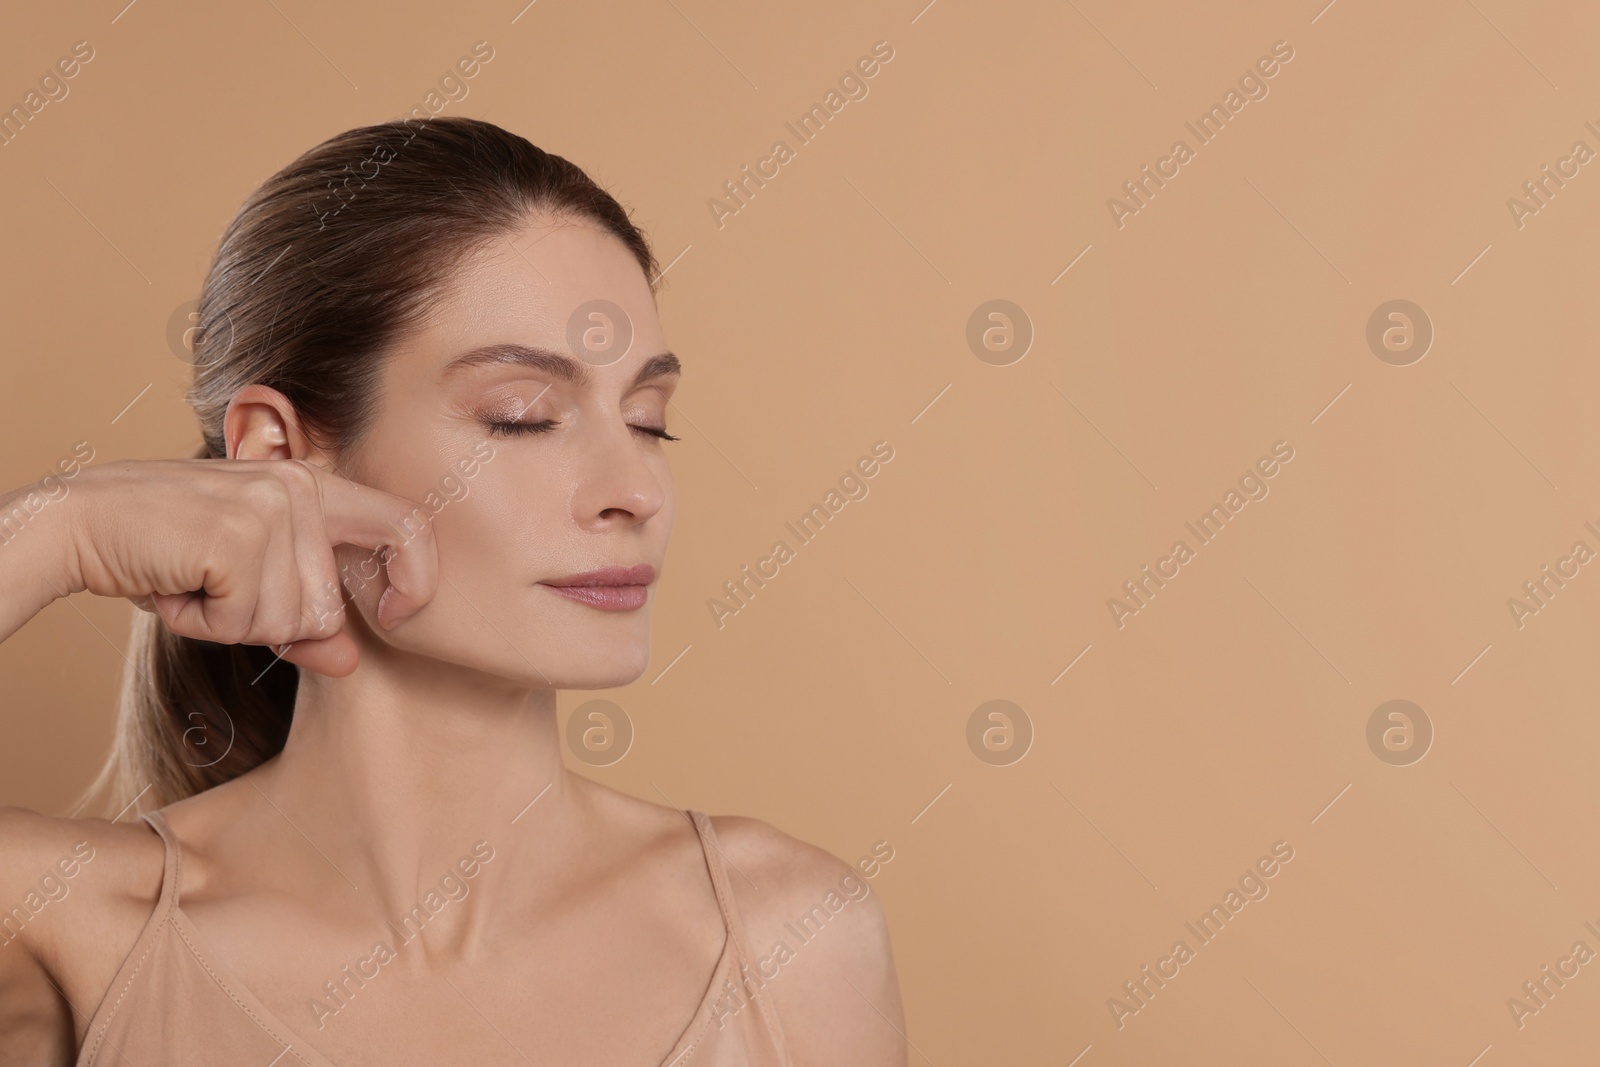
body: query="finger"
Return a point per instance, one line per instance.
(221, 603)
(277, 618)
(171, 607)
(321, 605)
(322, 608)
(370, 518)
(223, 617)
(334, 656)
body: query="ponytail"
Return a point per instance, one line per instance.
(192, 714)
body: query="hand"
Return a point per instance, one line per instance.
(241, 551)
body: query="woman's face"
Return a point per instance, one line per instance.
(522, 427)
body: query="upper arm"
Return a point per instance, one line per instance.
(821, 940)
(33, 1017)
(29, 879)
(71, 894)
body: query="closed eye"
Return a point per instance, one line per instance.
(657, 431)
(510, 429)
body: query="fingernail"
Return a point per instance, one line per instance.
(383, 619)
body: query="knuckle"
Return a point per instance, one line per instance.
(276, 622)
(323, 611)
(238, 526)
(232, 631)
(281, 633)
(322, 618)
(417, 525)
(297, 476)
(409, 524)
(267, 493)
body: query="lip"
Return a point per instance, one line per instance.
(606, 588)
(611, 577)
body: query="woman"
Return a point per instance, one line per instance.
(432, 386)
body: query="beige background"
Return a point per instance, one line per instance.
(831, 312)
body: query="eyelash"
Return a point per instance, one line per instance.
(509, 429)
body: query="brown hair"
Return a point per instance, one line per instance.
(328, 262)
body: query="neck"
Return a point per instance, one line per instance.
(399, 769)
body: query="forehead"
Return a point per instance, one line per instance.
(530, 284)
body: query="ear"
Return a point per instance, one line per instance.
(262, 424)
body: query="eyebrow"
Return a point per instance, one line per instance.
(557, 364)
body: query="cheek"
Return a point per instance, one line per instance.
(527, 517)
(512, 529)
(513, 526)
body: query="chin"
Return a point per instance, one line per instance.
(546, 654)
(600, 653)
(597, 666)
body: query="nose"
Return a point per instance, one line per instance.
(619, 483)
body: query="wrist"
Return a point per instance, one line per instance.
(37, 546)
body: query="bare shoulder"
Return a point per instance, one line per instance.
(74, 894)
(778, 879)
(54, 857)
(820, 937)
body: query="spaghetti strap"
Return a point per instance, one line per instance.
(173, 863)
(147, 945)
(716, 864)
(173, 994)
(748, 981)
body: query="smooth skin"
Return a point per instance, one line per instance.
(426, 718)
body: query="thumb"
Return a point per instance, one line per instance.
(334, 656)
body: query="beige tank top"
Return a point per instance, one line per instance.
(175, 1002)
